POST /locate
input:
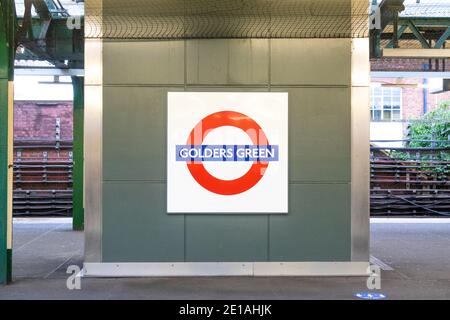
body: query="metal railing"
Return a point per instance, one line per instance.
(42, 178)
(409, 181)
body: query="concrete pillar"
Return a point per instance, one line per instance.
(326, 230)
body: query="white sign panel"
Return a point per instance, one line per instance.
(227, 152)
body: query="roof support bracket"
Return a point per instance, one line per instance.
(442, 39)
(418, 35)
(399, 34)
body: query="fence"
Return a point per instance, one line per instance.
(410, 180)
(42, 178)
(404, 181)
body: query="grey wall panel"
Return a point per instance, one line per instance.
(226, 238)
(226, 89)
(317, 227)
(144, 62)
(136, 226)
(310, 61)
(134, 133)
(227, 61)
(319, 134)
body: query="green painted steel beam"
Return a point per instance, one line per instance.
(5, 253)
(57, 44)
(7, 50)
(425, 21)
(416, 24)
(42, 8)
(399, 34)
(418, 35)
(375, 43)
(78, 153)
(442, 39)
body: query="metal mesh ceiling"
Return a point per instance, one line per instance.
(179, 19)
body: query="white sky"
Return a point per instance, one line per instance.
(75, 9)
(30, 88)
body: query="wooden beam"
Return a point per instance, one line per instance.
(416, 53)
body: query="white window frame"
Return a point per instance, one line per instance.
(385, 100)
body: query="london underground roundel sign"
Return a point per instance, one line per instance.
(225, 162)
(251, 177)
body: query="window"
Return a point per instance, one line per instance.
(386, 103)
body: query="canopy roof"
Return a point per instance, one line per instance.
(168, 19)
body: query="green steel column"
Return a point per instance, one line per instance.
(7, 49)
(78, 152)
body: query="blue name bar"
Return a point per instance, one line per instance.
(263, 153)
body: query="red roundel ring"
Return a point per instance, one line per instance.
(234, 119)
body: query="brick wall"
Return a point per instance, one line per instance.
(412, 96)
(391, 64)
(35, 145)
(37, 120)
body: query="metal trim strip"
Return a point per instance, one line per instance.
(93, 149)
(156, 269)
(360, 152)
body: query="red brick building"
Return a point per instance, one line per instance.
(392, 64)
(394, 99)
(43, 167)
(403, 90)
(39, 120)
(416, 94)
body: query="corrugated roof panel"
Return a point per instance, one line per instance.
(432, 9)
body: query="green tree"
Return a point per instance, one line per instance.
(434, 125)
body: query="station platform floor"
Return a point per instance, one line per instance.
(414, 254)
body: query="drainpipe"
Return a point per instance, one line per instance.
(425, 96)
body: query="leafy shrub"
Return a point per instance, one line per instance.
(434, 125)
